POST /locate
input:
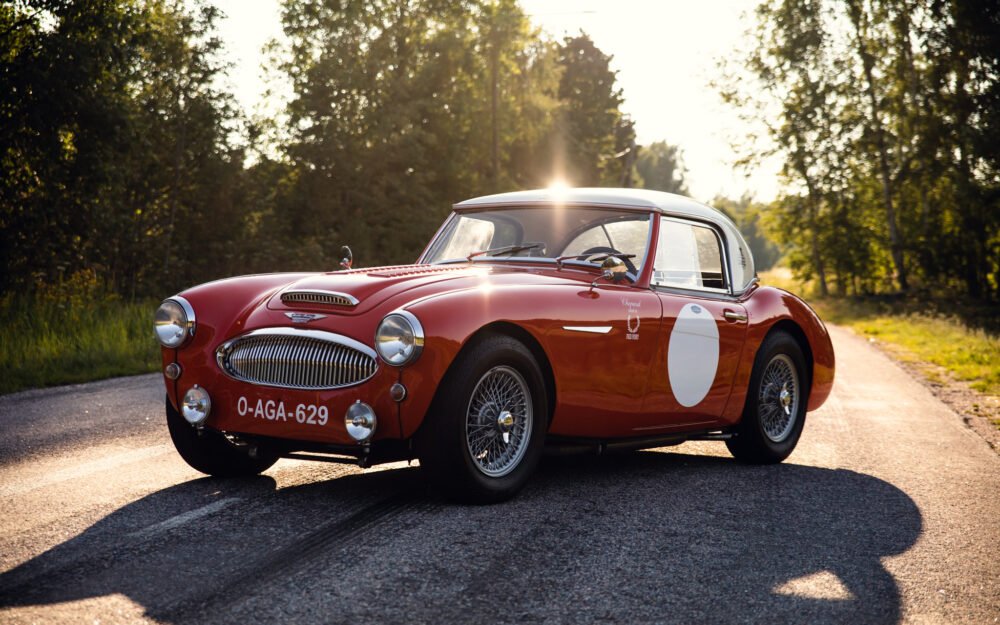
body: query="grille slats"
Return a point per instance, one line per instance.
(339, 358)
(320, 360)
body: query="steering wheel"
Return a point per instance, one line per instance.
(603, 249)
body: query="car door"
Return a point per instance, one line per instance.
(602, 345)
(702, 329)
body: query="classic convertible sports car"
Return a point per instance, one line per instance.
(582, 319)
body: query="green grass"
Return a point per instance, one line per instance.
(46, 342)
(912, 333)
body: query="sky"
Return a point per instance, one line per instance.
(665, 53)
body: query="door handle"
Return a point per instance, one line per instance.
(732, 315)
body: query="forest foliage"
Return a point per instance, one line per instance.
(886, 115)
(121, 155)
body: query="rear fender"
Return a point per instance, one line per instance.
(768, 310)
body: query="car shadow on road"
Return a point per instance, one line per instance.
(642, 537)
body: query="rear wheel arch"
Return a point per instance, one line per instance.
(795, 331)
(775, 409)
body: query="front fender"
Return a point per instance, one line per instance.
(449, 322)
(221, 308)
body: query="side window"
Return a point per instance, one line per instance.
(688, 256)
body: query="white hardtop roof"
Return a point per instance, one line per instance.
(634, 199)
(742, 267)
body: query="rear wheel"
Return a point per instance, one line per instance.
(483, 435)
(775, 409)
(209, 451)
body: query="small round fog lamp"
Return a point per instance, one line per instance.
(397, 392)
(360, 421)
(196, 405)
(172, 371)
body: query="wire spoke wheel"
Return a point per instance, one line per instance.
(778, 398)
(498, 421)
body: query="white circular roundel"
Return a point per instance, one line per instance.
(693, 355)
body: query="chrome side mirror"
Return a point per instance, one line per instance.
(346, 258)
(613, 269)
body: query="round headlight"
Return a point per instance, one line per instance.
(399, 338)
(196, 405)
(174, 322)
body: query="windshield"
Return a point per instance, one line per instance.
(549, 232)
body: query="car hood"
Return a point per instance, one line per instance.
(358, 291)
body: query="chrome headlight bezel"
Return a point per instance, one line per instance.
(176, 325)
(399, 338)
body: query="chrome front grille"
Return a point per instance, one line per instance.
(317, 296)
(299, 359)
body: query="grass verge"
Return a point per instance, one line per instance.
(918, 330)
(46, 343)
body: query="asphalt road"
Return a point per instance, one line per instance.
(888, 511)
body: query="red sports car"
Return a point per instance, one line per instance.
(586, 318)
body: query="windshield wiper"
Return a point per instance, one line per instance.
(507, 249)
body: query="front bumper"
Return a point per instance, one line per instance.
(290, 414)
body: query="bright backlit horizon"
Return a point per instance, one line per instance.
(665, 54)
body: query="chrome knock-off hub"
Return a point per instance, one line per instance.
(785, 398)
(505, 421)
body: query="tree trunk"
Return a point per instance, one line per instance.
(494, 111)
(868, 63)
(817, 257)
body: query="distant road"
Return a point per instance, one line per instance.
(888, 511)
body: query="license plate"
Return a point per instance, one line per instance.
(274, 410)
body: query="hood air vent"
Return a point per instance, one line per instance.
(318, 296)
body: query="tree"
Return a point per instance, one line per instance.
(117, 154)
(746, 214)
(660, 166)
(402, 107)
(591, 129)
(885, 112)
(114, 143)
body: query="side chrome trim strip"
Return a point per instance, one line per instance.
(590, 329)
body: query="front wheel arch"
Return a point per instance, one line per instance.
(443, 442)
(527, 339)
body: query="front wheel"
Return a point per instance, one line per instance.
(775, 409)
(209, 452)
(483, 436)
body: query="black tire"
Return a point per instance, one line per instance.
(443, 445)
(764, 436)
(209, 452)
